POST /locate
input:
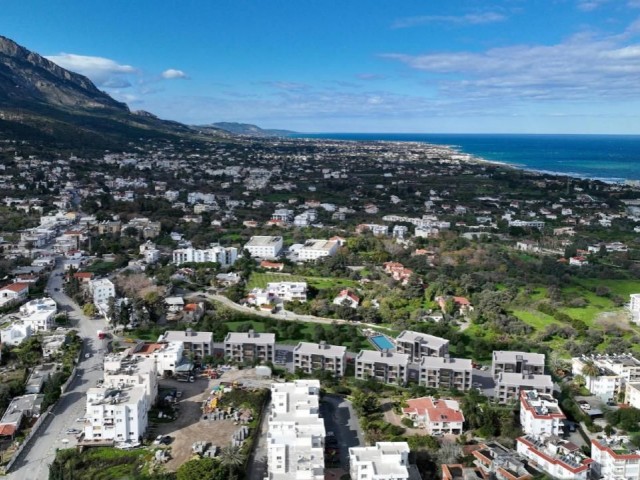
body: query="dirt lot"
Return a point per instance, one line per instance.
(189, 426)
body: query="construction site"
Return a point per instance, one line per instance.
(214, 410)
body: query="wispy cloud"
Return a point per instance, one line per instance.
(468, 19)
(172, 73)
(590, 5)
(583, 67)
(104, 72)
(287, 86)
(370, 76)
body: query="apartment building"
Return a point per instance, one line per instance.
(446, 372)
(315, 249)
(383, 461)
(116, 414)
(557, 457)
(615, 458)
(540, 414)
(167, 356)
(614, 372)
(517, 362)
(385, 366)
(39, 314)
(225, 256)
(250, 347)
(195, 344)
(102, 290)
(122, 370)
(320, 356)
(264, 246)
(437, 416)
(495, 461)
(509, 385)
(418, 345)
(295, 440)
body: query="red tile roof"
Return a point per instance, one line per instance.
(435, 410)
(16, 287)
(7, 429)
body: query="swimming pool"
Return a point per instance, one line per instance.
(382, 343)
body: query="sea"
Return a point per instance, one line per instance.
(609, 158)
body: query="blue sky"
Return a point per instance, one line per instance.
(454, 66)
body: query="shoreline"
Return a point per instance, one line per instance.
(457, 150)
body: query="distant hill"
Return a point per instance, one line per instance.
(248, 129)
(43, 103)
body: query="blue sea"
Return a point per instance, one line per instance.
(611, 158)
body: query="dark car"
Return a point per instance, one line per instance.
(166, 440)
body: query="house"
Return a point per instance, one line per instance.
(21, 408)
(418, 345)
(615, 457)
(557, 457)
(267, 247)
(39, 314)
(446, 372)
(296, 432)
(376, 230)
(458, 471)
(528, 246)
(310, 357)
(383, 461)
(345, 297)
(540, 414)
(15, 334)
(250, 347)
(386, 366)
(578, 261)
(174, 304)
(516, 362)
(398, 272)
(461, 304)
(436, 416)
(83, 277)
(267, 265)
(13, 294)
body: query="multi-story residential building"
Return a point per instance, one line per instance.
(250, 346)
(264, 246)
(225, 256)
(168, 356)
(116, 414)
(632, 395)
(540, 414)
(314, 249)
(613, 373)
(436, 415)
(517, 362)
(377, 230)
(498, 462)
(418, 345)
(509, 385)
(320, 356)
(615, 458)
(102, 290)
(295, 441)
(197, 345)
(383, 461)
(288, 291)
(121, 370)
(446, 372)
(558, 457)
(39, 314)
(386, 366)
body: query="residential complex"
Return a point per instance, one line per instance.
(295, 440)
(264, 246)
(309, 357)
(250, 347)
(517, 362)
(386, 366)
(613, 373)
(446, 372)
(509, 385)
(198, 345)
(418, 345)
(540, 414)
(225, 256)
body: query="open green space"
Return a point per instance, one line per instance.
(537, 320)
(99, 464)
(260, 280)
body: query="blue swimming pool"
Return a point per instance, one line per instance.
(381, 342)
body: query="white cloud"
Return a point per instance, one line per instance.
(590, 5)
(469, 19)
(172, 73)
(104, 72)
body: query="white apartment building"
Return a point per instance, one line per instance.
(225, 256)
(39, 314)
(314, 249)
(320, 356)
(278, 292)
(540, 414)
(167, 356)
(264, 246)
(121, 370)
(632, 395)
(446, 372)
(418, 345)
(385, 366)
(384, 461)
(150, 252)
(196, 344)
(509, 385)
(102, 290)
(295, 441)
(117, 415)
(559, 458)
(615, 458)
(634, 307)
(615, 371)
(250, 347)
(517, 362)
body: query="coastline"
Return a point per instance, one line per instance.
(458, 152)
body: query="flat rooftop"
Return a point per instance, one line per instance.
(520, 379)
(306, 348)
(505, 356)
(390, 358)
(251, 337)
(412, 336)
(263, 241)
(190, 336)
(324, 245)
(446, 362)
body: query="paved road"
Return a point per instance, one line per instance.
(34, 461)
(341, 419)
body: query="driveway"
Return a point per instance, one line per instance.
(341, 419)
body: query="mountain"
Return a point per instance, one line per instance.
(248, 129)
(45, 104)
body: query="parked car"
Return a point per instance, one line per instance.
(73, 431)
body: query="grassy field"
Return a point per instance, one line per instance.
(99, 464)
(260, 280)
(537, 320)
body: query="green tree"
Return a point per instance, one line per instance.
(201, 469)
(365, 403)
(89, 309)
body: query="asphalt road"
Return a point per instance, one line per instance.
(34, 461)
(340, 418)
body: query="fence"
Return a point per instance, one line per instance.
(27, 439)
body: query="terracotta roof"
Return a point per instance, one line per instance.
(435, 410)
(7, 429)
(16, 287)
(83, 275)
(190, 307)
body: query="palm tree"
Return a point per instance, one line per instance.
(590, 369)
(231, 457)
